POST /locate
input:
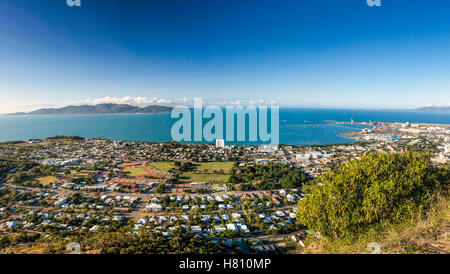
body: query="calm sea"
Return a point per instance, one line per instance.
(297, 126)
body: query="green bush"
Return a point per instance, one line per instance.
(161, 188)
(371, 192)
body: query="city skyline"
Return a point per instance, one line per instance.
(224, 133)
(299, 53)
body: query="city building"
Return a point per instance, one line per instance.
(220, 143)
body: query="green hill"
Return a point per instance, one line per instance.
(97, 109)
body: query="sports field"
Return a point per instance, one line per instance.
(210, 167)
(207, 172)
(163, 166)
(189, 177)
(140, 171)
(178, 188)
(128, 181)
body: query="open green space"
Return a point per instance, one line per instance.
(189, 177)
(208, 172)
(163, 166)
(136, 171)
(42, 180)
(212, 167)
(82, 172)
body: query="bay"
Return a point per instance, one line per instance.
(297, 126)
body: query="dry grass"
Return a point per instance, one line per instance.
(428, 235)
(24, 249)
(163, 166)
(46, 180)
(211, 167)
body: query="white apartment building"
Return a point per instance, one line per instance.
(220, 143)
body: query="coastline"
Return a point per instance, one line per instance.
(403, 129)
(298, 127)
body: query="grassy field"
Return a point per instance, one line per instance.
(163, 166)
(82, 172)
(42, 180)
(136, 171)
(189, 177)
(210, 167)
(205, 173)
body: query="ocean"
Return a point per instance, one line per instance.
(297, 126)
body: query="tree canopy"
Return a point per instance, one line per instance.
(262, 177)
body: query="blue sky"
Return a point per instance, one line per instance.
(312, 53)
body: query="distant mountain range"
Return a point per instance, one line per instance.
(97, 109)
(125, 108)
(434, 109)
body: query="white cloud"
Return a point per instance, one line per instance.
(429, 104)
(138, 101)
(258, 102)
(262, 102)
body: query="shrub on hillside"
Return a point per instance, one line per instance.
(376, 190)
